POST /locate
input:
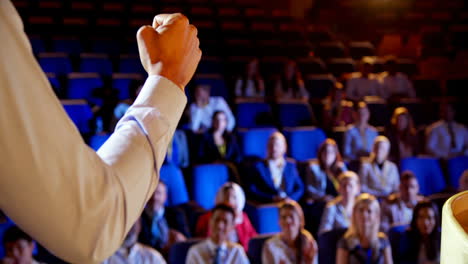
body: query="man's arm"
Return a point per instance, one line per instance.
(50, 180)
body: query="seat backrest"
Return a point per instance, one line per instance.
(177, 192)
(178, 252)
(96, 62)
(427, 171)
(265, 218)
(215, 81)
(96, 141)
(456, 166)
(398, 240)
(295, 114)
(254, 141)
(303, 143)
(123, 81)
(251, 115)
(80, 113)
(254, 251)
(207, 179)
(327, 245)
(82, 85)
(57, 63)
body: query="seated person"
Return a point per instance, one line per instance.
(337, 213)
(290, 84)
(359, 137)
(447, 138)
(218, 144)
(202, 109)
(275, 178)
(365, 83)
(232, 194)
(463, 182)
(162, 226)
(293, 244)
(122, 107)
(362, 242)
(337, 111)
(251, 84)
(379, 176)
(402, 135)
(218, 248)
(321, 176)
(423, 244)
(394, 83)
(19, 247)
(133, 252)
(397, 209)
(5, 223)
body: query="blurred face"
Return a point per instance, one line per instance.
(221, 223)
(220, 122)
(402, 122)
(409, 189)
(290, 70)
(132, 235)
(252, 68)
(363, 114)
(159, 197)
(290, 223)
(366, 216)
(202, 93)
(20, 251)
(426, 221)
(348, 188)
(328, 156)
(276, 147)
(381, 150)
(230, 197)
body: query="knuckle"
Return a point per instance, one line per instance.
(179, 17)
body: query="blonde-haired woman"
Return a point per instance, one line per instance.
(293, 244)
(362, 242)
(230, 193)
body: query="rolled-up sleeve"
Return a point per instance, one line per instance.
(78, 203)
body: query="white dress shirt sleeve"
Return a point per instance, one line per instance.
(76, 203)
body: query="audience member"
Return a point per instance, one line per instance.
(402, 135)
(218, 144)
(275, 178)
(290, 84)
(359, 137)
(202, 109)
(162, 226)
(395, 84)
(178, 150)
(379, 176)
(337, 111)
(218, 248)
(122, 107)
(251, 84)
(133, 252)
(338, 212)
(423, 245)
(321, 176)
(365, 83)
(5, 223)
(19, 247)
(362, 242)
(463, 182)
(232, 194)
(294, 244)
(106, 99)
(447, 138)
(397, 209)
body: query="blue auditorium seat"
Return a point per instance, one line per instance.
(254, 141)
(123, 81)
(456, 166)
(95, 62)
(80, 113)
(178, 252)
(327, 245)
(215, 81)
(210, 65)
(264, 217)
(56, 62)
(427, 171)
(398, 240)
(250, 114)
(303, 142)
(96, 141)
(37, 44)
(130, 64)
(106, 46)
(54, 81)
(176, 189)
(254, 251)
(70, 46)
(81, 85)
(295, 114)
(206, 181)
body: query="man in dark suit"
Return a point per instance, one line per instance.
(162, 226)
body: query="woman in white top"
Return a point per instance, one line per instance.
(251, 84)
(294, 244)
(290, 84)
